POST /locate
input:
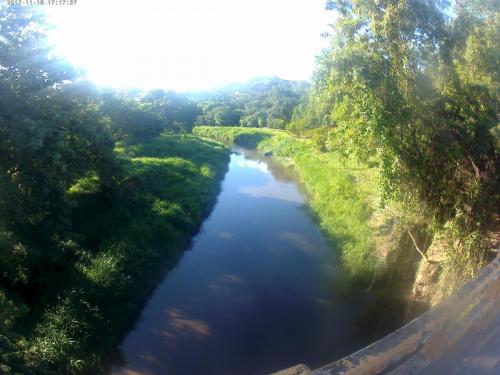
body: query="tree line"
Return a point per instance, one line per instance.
(262, 102)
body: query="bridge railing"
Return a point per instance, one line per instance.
(422, 341)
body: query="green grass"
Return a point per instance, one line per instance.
(342, 193)
(122, 243)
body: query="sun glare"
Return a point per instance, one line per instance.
(189, 45)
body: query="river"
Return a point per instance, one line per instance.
(256, 292)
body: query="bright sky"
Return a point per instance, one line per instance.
(190, 44)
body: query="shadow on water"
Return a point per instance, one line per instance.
(116, 358)
(250, 141)
(259, 290)
(168, 252)
(386, 296)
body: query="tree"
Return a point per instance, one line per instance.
(263, 102)
(51, 134)
(393, 86)
(130, 120)
(176, 111)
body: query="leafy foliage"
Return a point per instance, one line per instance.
(50, 136)
(177, 111)
(406, 82)
(413, 87)
(264, 102)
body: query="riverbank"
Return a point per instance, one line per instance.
(122, 242)
(341, 193)
(260, 270)
(377, 255)
(410, 264)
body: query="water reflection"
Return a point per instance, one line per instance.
(248, 163)
(225, 285)
(254, 293)
(299, 241)
(279, 172)
(180, 325)
(270, 190)
(270, 187)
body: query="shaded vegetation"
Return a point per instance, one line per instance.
(119, 244)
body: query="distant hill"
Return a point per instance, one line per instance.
(260, 102)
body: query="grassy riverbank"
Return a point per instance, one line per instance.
(378, 245)
(121, 243)
(342, 194)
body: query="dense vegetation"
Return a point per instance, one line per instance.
(133, 116)
(95, 202)
(262, 102)
(413, 86)
(100, 189)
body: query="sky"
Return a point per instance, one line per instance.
(188, 45)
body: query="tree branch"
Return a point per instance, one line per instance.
(476, 169)
(416, 246)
